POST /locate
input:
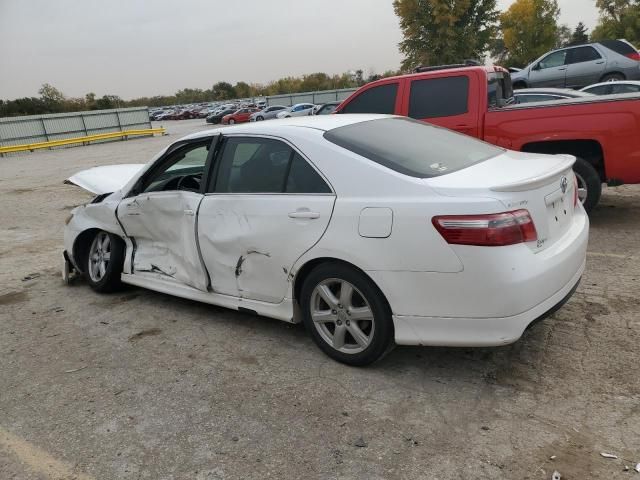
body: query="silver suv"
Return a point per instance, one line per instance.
(581, 65)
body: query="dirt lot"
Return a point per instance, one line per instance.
(140, 385)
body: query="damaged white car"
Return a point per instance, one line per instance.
(382, 230)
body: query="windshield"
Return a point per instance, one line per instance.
(411, 147)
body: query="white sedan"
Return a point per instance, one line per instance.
(381, 229)
(298, 110)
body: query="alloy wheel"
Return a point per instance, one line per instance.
(99, 256)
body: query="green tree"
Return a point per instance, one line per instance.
(243, 90)
(444, 31)
(529, 29)
(618, 19)
(223, 91)
(579, 35)
(563, 36)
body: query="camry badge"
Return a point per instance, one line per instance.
(564, 183)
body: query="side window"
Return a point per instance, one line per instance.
(439, 97)
(182, 170)
(253, 165)
(583, 54)
(601, 90)
(556, 59)
(304, 179)
(535, 98)
(380, 99)
(625, 88)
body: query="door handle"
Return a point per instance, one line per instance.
(304, 214)
(563, 68)
(189, 212)
(600, 62)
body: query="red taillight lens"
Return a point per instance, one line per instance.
(491, 230)
(575, 191)
(633, 56)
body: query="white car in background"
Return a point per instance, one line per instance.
(381, 229)
(613, 88)
(298, 110)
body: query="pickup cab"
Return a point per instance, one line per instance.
(603, 133)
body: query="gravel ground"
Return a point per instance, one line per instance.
(139, 385)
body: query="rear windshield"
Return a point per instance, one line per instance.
(411, 147)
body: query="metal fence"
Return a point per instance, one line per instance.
(310, 97)
(59, 126)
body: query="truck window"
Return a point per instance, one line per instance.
(439, 97)
(381, 99)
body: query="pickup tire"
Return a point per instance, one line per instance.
(589, 184)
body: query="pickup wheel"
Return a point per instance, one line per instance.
(589, 184)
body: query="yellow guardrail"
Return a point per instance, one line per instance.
(86, 139)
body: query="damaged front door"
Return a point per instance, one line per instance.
(161, 219)
(268, 205)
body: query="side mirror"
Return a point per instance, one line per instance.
(536, 67)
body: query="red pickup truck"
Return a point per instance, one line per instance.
(603, 132)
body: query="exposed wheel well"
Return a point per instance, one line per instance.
(310, 265)
(588, 150)
(82, 245)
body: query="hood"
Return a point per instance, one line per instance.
(106, 179)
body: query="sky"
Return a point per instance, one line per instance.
(135, 48)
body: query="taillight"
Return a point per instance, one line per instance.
(490, 230)
(575, 191)
(633, 56)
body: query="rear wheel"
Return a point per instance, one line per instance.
(104, 262)
(231, 121)
(259, 118)
(346, 315)
(589, 184)
(613, 77)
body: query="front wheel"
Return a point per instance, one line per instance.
(259, 118)
(589, 184)
(346, 314)
(104, 262)
(232, 121)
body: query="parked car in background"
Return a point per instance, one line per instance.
(468, 246)
(298, 110)
(239, 116)
(166, 115)
(533, 95)
(581, 65)
(612, 88)
(602, 132)
(267, 114)
(216, 117)
(326, 109)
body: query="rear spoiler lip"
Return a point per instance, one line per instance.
(567, 161)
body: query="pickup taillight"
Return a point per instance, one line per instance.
(490, 230)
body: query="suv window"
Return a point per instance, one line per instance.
(380, 99)
(556, 59)
(263, 165)
(583, 54)
(181, 170)
(412, 147)
(439, 97)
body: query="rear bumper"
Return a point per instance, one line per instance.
(478, 332)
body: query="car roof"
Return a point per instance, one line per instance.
(322, 123)
(552, 91)
(617, 82)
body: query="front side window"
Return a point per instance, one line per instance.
(263, 165)
(600, 90)
(381, 99)
(181, 170)
(411, 147)
(556, 59)
(439, 97)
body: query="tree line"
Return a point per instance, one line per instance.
(52, 100)
(435, 32)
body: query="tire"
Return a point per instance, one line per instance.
(102, 272)
(325, 291)
(589, 184)
(613, 77)
(259, 118)
(231, 121)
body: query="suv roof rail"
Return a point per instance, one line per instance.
(467, 63)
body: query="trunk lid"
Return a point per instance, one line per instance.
(542, 184)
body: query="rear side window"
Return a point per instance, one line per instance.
(600, 90)
(411, 147)
(304, 179)
(583, 54)
(439, 97)
(618, 46)
(381, 99)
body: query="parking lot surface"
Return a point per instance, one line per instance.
(140, 385)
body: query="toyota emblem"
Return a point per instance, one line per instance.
(564, 183)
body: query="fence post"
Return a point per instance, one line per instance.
(119, 123)
(44, 129)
